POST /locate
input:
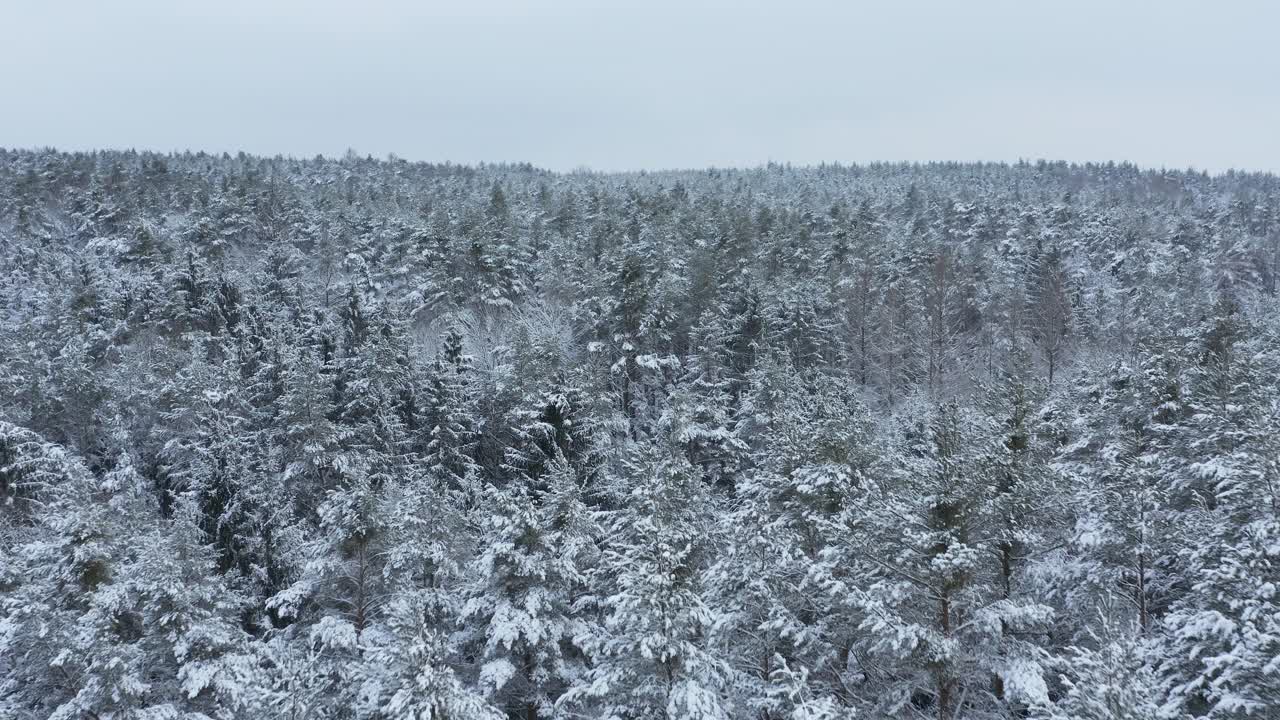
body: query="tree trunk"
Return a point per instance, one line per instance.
(944, 679)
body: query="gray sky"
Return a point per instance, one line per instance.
(616, 84)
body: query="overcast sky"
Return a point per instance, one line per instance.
(616, 84)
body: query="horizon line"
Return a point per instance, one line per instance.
(351, 154)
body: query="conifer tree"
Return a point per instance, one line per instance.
(532, 633)
(657, 655)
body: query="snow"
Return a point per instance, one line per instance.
(369, 439)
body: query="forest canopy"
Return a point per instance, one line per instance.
(358, 438)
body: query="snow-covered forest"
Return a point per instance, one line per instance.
(368, 438)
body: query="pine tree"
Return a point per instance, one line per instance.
(657, 655)
(1111, 679)
(121, 612)
(1223, 633)
(791, 646)
(406, 675)
(540, 546)
(452, 429)
(935, 625)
